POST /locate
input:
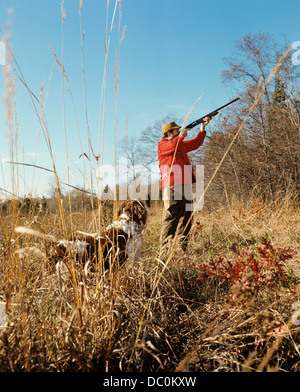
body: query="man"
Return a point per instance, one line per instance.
(177, 177)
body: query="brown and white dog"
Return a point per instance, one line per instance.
(120, 243)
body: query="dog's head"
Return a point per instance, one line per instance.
(134, 209)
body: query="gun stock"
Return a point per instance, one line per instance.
(211, 114)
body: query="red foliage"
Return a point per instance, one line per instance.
(250, 270)
(199, 226)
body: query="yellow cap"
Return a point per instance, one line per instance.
(168, 127)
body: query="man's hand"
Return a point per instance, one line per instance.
(183, 132)
(206, 120)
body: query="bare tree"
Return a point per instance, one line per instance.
(265, 160)
(131, 150)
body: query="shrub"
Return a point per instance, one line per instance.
(249, 270)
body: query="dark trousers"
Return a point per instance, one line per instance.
(176, 215)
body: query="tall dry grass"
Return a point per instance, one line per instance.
(140, 319)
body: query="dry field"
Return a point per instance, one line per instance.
(156, 315)
(229, 304)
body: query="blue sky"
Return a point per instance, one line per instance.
(172, 54)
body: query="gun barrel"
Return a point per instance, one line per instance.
(227, 104)
(211, 114)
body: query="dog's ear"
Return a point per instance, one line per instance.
(134, 209)
(140, 211)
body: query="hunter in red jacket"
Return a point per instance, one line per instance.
(177, 177)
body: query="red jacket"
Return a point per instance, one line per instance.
(176, 168)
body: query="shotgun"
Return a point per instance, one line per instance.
(211, 114)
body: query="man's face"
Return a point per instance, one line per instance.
(173, 133)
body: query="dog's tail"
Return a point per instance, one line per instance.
(92, 235)
(35, 233)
